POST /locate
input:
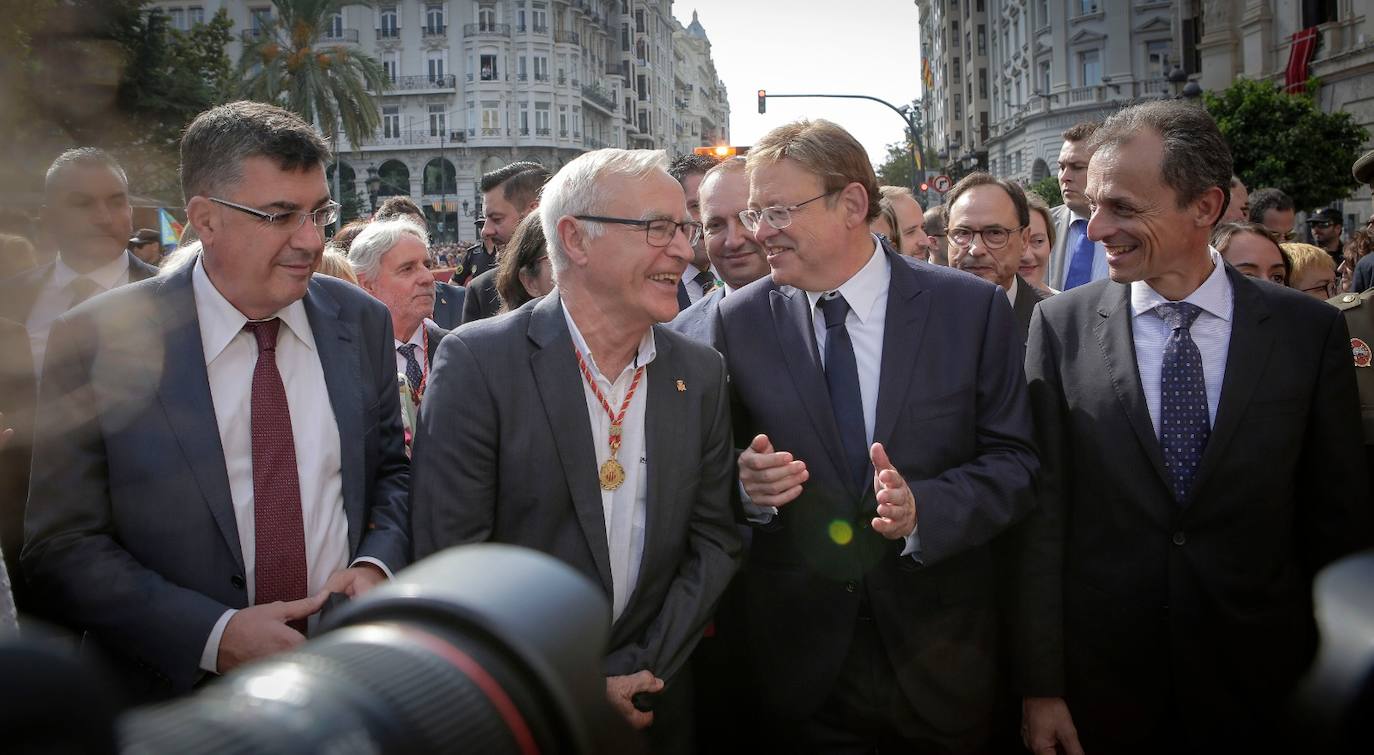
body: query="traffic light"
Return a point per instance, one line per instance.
(721, 151)
(763, 101)
(925, 186)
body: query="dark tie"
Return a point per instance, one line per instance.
(842, 378)
(706, 280)
(1184, 423)
(1081, 263)
(279, 532)
(413, 372)
(82, 289)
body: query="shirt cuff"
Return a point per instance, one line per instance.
(913, 546)
(374, 562)
(209, 657)
(755, 513)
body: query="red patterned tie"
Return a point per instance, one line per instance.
(279, 561)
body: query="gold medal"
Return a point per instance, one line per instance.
(612, 474)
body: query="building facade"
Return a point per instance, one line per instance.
(698, 94)
(477, 84)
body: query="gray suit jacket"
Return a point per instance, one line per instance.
(1063, 218)
(131, 533)
(519, 467)
(698, 322)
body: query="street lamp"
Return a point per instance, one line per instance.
(374, 185)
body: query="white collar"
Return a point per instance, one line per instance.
(643, 355)
(1013, 291)
(1214, 295)
(220, 321)
(865, 287)
(107, 276)
(418, 337)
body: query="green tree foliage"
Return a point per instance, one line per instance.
(1286, 141)
(1048, 189)
(290, 63)
(895, 169)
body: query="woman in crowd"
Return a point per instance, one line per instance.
(1314, 272)
(1035, 257)
(1360, 244)
(1252, 250)
(524, 272)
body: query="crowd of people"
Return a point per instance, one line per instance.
(853, 474)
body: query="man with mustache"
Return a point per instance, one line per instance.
(219, 448)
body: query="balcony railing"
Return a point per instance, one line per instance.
(486, 131)
(567, 37)
(562, 79)
(434, 30)
(344, 35)
(542, 132)
(413, 83)
(486, 30)
(540, 28)
(391, 32)
(613, 69)
(522, 77)
(598, 96)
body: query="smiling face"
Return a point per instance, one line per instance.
(404, 285)
(733, 251)
(815, 252)
(1035, 258)
(87, 211)
(260, 268)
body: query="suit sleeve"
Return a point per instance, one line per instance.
(1036, 546)
(72, 556)
(713, 554)
(472, 304)
(969, 504)
(387, 519)
(453, 491)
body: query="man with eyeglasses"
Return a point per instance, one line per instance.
(1274, 210)
(884, 410)
(220, 448)
(600, 436)
(989, 227)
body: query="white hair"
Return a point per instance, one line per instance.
(179, 258)
(577, 190)
(366, 252)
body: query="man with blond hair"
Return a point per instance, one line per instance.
(870, 589)
(599, 436)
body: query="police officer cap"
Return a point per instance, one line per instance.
(1364, 168)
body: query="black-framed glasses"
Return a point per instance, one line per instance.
(288, 221)
(778, 217)
(1328, 289)
(658, 232)
(994, 237)
(1323, 224)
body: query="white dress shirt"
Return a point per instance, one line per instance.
(1076, 230)
(421, 355)
(231, 353)
(54, 299)
(623, 508)
(1012, 290)
(1211, 331)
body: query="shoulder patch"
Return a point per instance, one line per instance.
(1360, 350)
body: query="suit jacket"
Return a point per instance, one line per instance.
(1063, 218)
(435, 334)
(520, 468)
(953, 415)
(1166, 624)
(482, 300)
(448, 305)
(683, 300)
(18, 293)
(698, 321)
(18, 392)
(132, 531)
(1027, 296)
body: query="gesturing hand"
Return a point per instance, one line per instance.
(259, 631)
(896, 503)
(771, 478)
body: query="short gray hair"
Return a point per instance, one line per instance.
(366, 252)
(1196, 156)
(82, 156)
(220, 139)
(576, 190)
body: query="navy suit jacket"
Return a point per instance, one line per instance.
(448, 305)
(953, 415)
(131, 533)
(483, 300)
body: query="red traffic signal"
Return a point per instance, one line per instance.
(763, 101)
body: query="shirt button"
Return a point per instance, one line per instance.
(850, 586)
(1180, 538)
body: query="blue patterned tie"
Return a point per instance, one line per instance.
(413, 372)
(1081, 263)
(1184, 423)
(842, 378)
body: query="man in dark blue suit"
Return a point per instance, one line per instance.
(220, 448)
(884, 405)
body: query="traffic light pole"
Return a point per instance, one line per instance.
(907, 114)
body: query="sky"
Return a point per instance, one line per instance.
(865, 47)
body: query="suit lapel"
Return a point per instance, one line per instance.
(560, 391)
(138, 269)
(337, 343)
(184, 393)
(435, 334)
(1252, 339)
(792, 320)
(1113, 331)
(21, 293)
(665, 416)
(903, 333)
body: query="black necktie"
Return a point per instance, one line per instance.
(413, 372)
(706, 280)
(842, 378)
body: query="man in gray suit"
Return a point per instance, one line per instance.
(1075, 258)
(220, 448)
(724, 193)
(598, 436)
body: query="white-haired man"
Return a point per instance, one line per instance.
(636, 417)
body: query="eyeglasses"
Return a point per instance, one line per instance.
(1323, 224)
(1286, 235)
(658, 232)
(289, 222)
(994, 237)
(778, 217)
(1328, 288)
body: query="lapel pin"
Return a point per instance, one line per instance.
(681, 387)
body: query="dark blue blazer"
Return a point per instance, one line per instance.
(953, 415)
(448, 305)
(131, 529)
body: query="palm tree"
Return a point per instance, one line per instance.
(292, 62)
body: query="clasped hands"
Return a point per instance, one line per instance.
(774, 478)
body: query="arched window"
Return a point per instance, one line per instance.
(1039, 170)
(395, 179)
(440, 177)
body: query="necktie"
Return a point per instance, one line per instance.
(279, 533)
(706, 280)
(82, 289)
(1184, 423)
(413, 372)
(1081, 263)
(842, 378)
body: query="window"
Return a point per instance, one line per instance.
(954, 71)
(520, 20)
(486, 18)
(562, 122)
(389, 23)
(954, 33)
(958, 107)
(541, 68)
(983, 83)
(434, 19)
(489, 68)
(643, 87)
(1087, 6)
(438, 120)
(391, 121)
(335, 27)
(1044, 77)
(639, 22)
(524, 119)
(982, 39)
(436, 67)
(1089, 68)
(391, 65)
(541, 118)
(491, 118)
(259, 18)
(540, 18)
(1042, 15)
(523, 69)
(1159, 55)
